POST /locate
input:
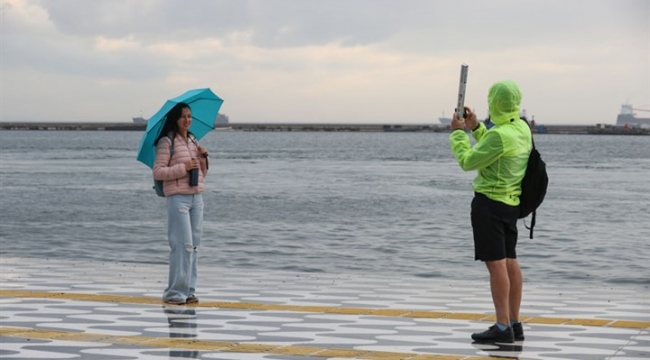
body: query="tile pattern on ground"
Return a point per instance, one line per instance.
(383, 335)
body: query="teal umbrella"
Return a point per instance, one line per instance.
(205, 107)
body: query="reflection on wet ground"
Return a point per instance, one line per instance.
(72, 309)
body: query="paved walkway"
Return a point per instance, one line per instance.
(89, 310)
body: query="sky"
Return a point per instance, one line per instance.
(334, 61)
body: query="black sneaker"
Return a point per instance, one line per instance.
(518, 329)
(493, 334)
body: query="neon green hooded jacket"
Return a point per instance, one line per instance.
(500, 154)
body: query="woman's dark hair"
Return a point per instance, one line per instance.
(171, 120)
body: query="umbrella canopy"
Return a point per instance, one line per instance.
(205, 107)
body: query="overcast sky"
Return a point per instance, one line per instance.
(336, 61)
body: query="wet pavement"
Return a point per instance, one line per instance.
(53, 309)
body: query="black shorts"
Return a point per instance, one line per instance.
(495, 229)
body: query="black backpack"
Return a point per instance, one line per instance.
(533, 187)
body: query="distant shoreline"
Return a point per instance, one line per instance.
(287, 127)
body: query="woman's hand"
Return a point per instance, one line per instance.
(192, 164)
(470, 121)
(457, 123)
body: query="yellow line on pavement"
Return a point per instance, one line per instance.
(328, 309)
(223, 346)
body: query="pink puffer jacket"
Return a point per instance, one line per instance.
(177, 179)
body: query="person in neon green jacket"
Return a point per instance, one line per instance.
(500, 156)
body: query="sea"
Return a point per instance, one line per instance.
(380, 203)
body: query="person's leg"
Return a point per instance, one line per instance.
(196, 218)
(514, 272)
(516, 288)
(500, 289)
(490, 220)
(180, 242)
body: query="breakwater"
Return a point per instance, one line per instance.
(547, 129)
(71, 126)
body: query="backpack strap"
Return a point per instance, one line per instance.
(532, 222)
(171, 137)
(532, 219)
(532, 138)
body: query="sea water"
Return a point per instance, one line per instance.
(330, 202)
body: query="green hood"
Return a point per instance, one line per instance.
(504, 98)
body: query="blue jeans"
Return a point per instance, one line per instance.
(185, 225)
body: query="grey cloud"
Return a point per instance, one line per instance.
(64, 53)
(59, 56)
(176, 20)
(433, 27)
(293, 23)
(415, 25)
(310, 22)
(317, 22)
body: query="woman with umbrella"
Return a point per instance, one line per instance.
(182, 164)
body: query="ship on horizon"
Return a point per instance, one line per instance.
(444, 121)
(627, 117)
